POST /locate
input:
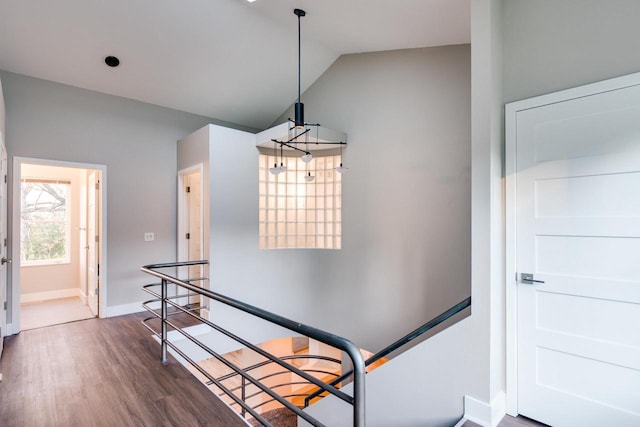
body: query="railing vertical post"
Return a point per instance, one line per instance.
(163, 315)
(359, 410)
(244, 394)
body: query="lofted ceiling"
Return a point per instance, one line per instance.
(228, 59)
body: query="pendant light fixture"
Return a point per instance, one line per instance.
(298, 127)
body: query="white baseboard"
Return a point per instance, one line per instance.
(124, 309)
(49, 295)
(484, 414)
(461, 422)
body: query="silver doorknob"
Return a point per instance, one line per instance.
(5, 260)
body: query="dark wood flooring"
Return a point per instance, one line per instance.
(101, 372)
(509, 421)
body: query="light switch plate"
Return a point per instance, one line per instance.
(148, 237)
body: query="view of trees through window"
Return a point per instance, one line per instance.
(45, 224)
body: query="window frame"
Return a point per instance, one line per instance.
(66, 222)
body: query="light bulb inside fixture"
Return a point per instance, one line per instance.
(309, 177)
(282, 168)
(275, 170)
(306, 157)
(341, 169)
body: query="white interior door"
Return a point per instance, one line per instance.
(3, 243)
(578, 231)
(195, 221)
(93, 234)
(194, 233)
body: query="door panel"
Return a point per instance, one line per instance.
(578, 231)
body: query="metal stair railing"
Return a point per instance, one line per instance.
(411, 336)
(356, 400)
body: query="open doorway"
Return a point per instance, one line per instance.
(58, 246)
(191, 233)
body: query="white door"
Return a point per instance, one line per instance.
(195, 221)
(3, 243)
(93, 234)
(577, 230)
(193, 191)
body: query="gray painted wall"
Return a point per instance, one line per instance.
(550, 45)
(406, 202)
(137, 143)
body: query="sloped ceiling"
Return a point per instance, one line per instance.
(228, 59)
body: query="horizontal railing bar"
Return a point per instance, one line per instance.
(147, 290)
(246, 376)
(272, 387)
(353, 352)
(275, 374)
(292, 357)
(322, 385)
(333, 340)
(175, 264)
(220, 386)
(401, 342)
(285, 396)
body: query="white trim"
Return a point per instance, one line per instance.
(15, 231)
(484, 414)
(511, 292)
(124, 309)
(461, 422)
(182, 244)
(49, 295)
(511, 284)
(83, 297)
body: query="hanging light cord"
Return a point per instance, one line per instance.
(299, 60)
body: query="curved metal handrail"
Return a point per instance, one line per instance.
(340, 343)
(292, 357)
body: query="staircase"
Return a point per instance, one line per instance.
(321, 361)
(274, 382)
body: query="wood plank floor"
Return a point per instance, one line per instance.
(100, 372)
(509, 421)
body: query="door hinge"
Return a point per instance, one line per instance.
(187, 236)
(97, 186)
(98, 270)
(97, 239)
(188, 189)
(5, 179)
(5, 305)
(5, 242)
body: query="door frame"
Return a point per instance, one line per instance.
(511, 291)
(182, 209)
(4, 250)
(183, 244)
(15, 232)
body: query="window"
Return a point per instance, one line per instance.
(45, 226)
(294, 213)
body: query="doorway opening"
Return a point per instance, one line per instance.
(191, 233)
(58, 245)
